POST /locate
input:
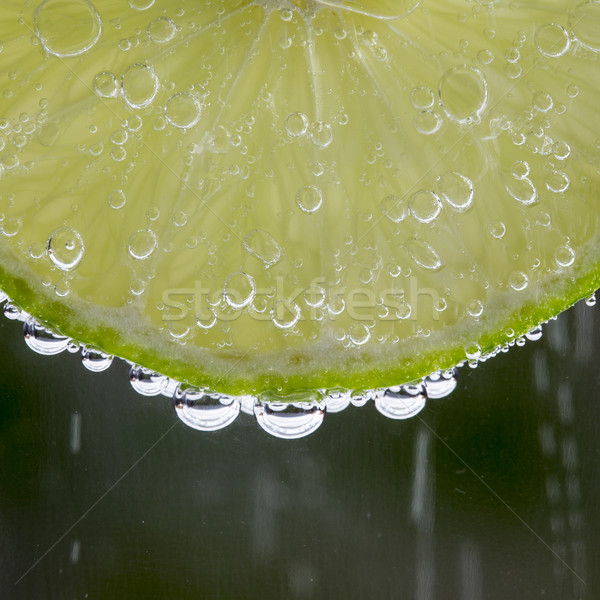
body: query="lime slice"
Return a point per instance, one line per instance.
(270, 196)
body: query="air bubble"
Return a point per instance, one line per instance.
(463, 94)
(564, 256)
(183, 110)
(424, 206)
(140, 85)
(359, 334)
(42, 340)
(296, 124)
(428, 122)
(147, 382)
(552, 40)
(309, 198)
(117, 199)
(67, 27)
(534, 334)
(239, 290)
(285, 314)
(558, 182)
(321, 134)
(106, 85)
(475, 308)
(393, 208)
(441, 384)
(522, 190)
(142, 244)
(585, 24)
(95, 360)
(204, 410)
(65, 248)
(161, 30)
(422, 98)
(262, 244)
(497, 229)
(518, 280)
(457, 190)
(406, 402)
(473, 351)
(424, 254)
(291, 416)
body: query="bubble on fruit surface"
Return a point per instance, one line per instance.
(147, 382)
(285, 314)
(472, 351)
(183, 110)
(203, 410)
(42, 340)
(552, 40)
(296, 124)
(564, 256)
(337, 400)
(518, 280)
(321, 134)
(142, 244)
(424, 206)
(239, 290)
(585, 24)
(535, 334)
(422, 98)
(263, 246)
(11, 226)
(95, 360)
(65, 248)
(140, 85)
(117, 199)
(291, 416)
(393, 208)
(403, 402)
(441, 384)
(106, 85)
(463, 94)
(428, 122)
(542, 101)
(522, 190)
(591, 300)
(67, 27)
(14, 312)
(424, 254)
(359, 334)
(558, 182)
(161, 30)
(309, 198)
(141, 4)
(475, 308)
(457, 190)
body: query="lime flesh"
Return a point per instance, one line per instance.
(275, 195)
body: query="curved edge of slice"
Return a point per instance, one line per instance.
(118, 332)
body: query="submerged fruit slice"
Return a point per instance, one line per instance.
(253, 195)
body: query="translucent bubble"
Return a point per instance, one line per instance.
(161, 30)
(518, 280)
(472, 351)
(522, 190)
(239, 290)
(441, 384)
(206, 318)
(140, 85)
(393, 208)
(67, 27)
(117, 199)
(95, 360)
(564, 256)
(285, 314)
(309, 198)
(424, 254)
(337, 400)
(520, 169)
(428, 122)
(291, 416)
(321, 134)
(497, 229)
(42, 340)
(457, 190)
(359, 334)
(534, 334)
(204, 410)
(475, 308)
(183, 110)
(141, 4)
(591, 300)
(314, 296)
(422, 98)
(262, 244)
(424, 206)
(463, 94)
(142, 244)
(404, 403)
(542, 101)
(296, 124)
(147, 382)
(11, 226)
(65, 248)
(552, 40)
(106, 85)
(558, 182)
(585, 23)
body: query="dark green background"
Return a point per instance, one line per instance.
(490, 493)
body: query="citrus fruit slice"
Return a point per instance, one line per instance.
(268, 196)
